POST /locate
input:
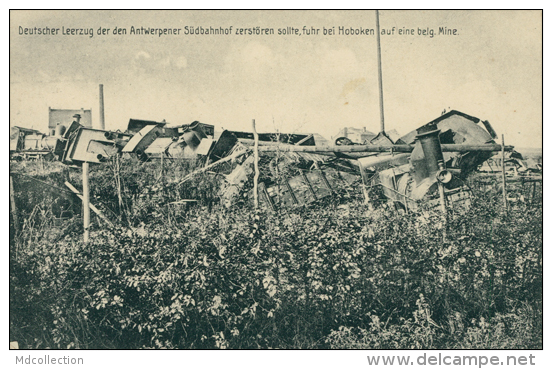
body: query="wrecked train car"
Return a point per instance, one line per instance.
(155, 139)
(29, 143)
(143, 138)
(429, 167)
(93, 145)
(289, 178)
(426, 165)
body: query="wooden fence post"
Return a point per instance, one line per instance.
(92, 207)
(86, 200)
(504, 178)
(364, 185)
(257, 173)
(162, 179)
(118, 184)
(12, 203)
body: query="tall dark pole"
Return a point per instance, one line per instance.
(382, 120)
(102, 117)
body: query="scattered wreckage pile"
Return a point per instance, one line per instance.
(429, 164)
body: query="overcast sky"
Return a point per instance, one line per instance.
(491, 69)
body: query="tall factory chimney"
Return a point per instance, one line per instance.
(102, 117)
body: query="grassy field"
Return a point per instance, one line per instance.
(330, 275)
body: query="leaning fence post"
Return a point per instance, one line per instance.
(364, 184)
(162, 179)
(504, 178)
(92, 207)
(12, 203)
(118, 184)
(86, 200)
(256, 178)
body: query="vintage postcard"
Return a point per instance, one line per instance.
(239, 179)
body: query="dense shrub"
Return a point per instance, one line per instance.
(332, 275)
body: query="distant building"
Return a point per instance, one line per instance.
(357, 135)
(65, 117)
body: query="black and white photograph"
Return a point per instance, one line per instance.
(357, 182)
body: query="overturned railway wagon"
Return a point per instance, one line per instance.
(429, 167)
(153, 139)
(29, 143)
(428, 164)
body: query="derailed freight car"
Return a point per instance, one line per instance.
(427, 165)
(28, 143)
(434, 167)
